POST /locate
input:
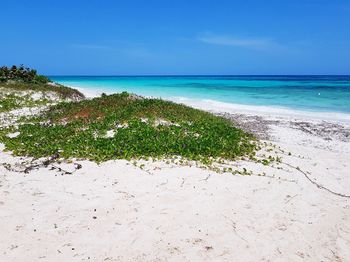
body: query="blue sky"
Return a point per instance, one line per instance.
(177, 37)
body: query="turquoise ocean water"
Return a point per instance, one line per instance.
(305, 93)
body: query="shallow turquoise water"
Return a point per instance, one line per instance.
(310, 93)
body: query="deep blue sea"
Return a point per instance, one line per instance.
(305, 93)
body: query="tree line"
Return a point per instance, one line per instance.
(22, 74)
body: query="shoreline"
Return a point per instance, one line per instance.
(270, 112)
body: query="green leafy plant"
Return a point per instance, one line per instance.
(125, 126)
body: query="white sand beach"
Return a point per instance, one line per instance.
(116, 211)
(175, 131)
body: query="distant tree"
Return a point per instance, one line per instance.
(21, 73)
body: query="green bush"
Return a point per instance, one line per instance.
(22, 74)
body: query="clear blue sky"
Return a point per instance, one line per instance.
(177, 36)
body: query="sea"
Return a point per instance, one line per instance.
(321, 96)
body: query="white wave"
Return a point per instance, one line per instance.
(223, 107)
(271, 111)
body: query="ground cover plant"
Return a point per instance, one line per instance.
(125, 126)
(11, 101)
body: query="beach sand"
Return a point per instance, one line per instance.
(116, 211)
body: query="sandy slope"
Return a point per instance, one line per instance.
(119, 212)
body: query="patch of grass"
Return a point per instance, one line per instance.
(123, 126)
(62, 91)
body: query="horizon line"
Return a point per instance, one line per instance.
(194, 75)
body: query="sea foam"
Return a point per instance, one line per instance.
(220, 107)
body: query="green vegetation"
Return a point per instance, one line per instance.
(124, 126)
(21, 73)
(24, 79)
(63, 92)
(119, 126)
(13, 101)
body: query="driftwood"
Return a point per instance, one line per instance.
(26, 167)
(315, 183)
